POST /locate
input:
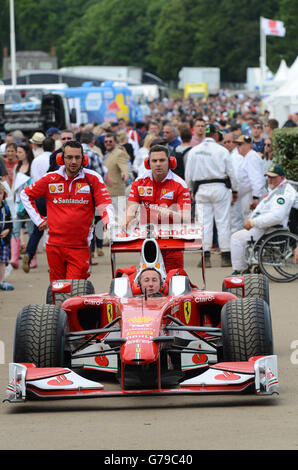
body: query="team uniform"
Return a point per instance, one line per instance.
(237, 219)
(71, 205)
(208, 167)
(171, 193)
(274, 209)
(251, 180)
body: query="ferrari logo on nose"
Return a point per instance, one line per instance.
(187, 310)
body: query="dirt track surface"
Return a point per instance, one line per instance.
(164, 423)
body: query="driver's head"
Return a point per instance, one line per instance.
(150, 279)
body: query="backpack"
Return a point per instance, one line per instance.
(181, 159)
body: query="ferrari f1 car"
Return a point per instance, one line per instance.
(186, 340)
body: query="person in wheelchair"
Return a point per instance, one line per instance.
(273, 210)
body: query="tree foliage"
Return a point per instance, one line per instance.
(161, 36)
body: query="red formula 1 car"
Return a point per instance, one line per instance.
(186, 340)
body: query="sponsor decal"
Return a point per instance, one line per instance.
(58, 285)
(145, 190)
(141, 319)
(82, 188)
(199, 359)
(140, 332)
(187, 310)
(59, 381)
(227, 376)
(56, 188)
(236, 280)
(169, 195)
(60, 200)
(210, 298)
(110, 312)
(102, 361)
(93, 301)
(138, 350)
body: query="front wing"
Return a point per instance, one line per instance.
(27, 382)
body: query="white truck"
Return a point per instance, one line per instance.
(209, 75)
(32, 108)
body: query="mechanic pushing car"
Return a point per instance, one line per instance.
(72, 194)
(163, 198)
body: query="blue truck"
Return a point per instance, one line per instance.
(30, 108)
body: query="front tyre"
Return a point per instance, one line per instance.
(255, 285)
(40, 336)
(79, 287)
(246, 329)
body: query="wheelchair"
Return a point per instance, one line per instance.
(273, 255)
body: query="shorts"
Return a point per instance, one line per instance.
(4, 254)
(68, 262)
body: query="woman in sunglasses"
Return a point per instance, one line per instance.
(268, 153)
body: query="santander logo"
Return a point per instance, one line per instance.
(227, 376)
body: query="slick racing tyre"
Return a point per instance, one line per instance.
(246, 329)
(255, 285)
(79, 287)
(40, 336)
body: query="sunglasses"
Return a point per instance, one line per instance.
(267, 145)
(109, 141)
(66, 138)
(72, 157)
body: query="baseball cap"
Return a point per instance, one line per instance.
(37, 138)
(105, 125)
(243, 139)
(211, 129)
(275, 170)
(53, 130)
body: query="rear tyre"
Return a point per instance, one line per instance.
(246, 329)
(40, 336)
(256, 285)
(79, 287)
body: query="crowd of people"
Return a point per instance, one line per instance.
(217, 153)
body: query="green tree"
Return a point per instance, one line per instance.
(111, 32)
(171, 48)
(229, 36)
(161, 36)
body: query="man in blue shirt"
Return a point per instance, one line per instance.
(257, 139)
(170, 135)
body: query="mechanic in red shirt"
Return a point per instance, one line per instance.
(72, 193)
(163, 196)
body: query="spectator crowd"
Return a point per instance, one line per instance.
(223, 148)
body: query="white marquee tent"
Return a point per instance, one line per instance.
(284, 100)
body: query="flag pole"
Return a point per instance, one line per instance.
(262, 55)
(12, 45)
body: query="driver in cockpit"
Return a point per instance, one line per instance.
(150, 281)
